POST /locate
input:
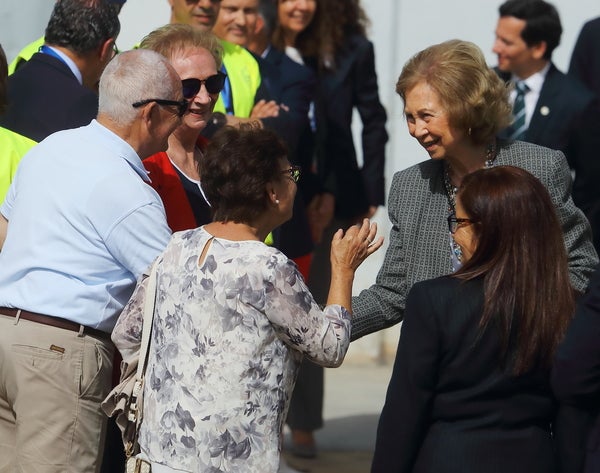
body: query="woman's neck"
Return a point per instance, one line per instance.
(236, 231)
(289, 38)
(181, 151)
(469, 160)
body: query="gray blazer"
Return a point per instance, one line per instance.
(419, 245)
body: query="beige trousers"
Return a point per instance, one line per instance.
(51, 384)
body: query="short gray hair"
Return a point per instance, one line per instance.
(133, 76)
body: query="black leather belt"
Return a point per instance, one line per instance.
(53, 322)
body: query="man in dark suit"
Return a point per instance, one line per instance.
(585, 60)
(56, 88)
(559, 112)
(576, 379)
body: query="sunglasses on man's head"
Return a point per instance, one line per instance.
(214, 85)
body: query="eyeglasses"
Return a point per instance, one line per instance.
(454, 223)
(214, 85)
(182, 105)
(293, 172)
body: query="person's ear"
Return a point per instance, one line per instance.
(149, 116)
(539, 49)
(259, 25)
(272, 194)
(107, 50)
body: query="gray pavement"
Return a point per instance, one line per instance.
(354, 396)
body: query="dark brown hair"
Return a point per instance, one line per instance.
(521, 255)
(236, 168)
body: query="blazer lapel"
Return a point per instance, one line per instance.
(543, 112)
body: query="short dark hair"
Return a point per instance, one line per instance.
(521, 255)
(236, 168)
(267, 9)
(3, 80)
(542, 22)
(82, 25)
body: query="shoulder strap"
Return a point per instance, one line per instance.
(149, 303)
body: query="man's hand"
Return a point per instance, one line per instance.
(264, 109)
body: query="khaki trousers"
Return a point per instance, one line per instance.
(52, 381)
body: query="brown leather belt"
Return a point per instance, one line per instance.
(53, 322)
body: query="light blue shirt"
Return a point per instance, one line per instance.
(67, 60)
(83, 225)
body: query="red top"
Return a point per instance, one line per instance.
(166, 182)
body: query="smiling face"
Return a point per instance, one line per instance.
(514, 55)
(429, 123)
(237, 21)
(294, 16)
(199, 13)
(197, 63)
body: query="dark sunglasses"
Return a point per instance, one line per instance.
(214, 85)
(181, 105)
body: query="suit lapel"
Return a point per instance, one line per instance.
(543, 112)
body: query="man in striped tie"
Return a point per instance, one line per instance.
(550, 108)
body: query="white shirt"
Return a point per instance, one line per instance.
(535, 83)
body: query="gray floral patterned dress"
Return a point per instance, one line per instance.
(227, 338)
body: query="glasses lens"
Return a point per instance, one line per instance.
(190, 87)
(295, 172)
(214, 84)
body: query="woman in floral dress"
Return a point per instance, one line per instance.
(234, 317)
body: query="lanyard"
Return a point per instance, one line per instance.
(51, 52)
(226, 94)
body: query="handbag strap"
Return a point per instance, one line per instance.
(149, 303)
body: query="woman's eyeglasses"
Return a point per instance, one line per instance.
(293, 173)
(455, 223)
(214, 85)
(181, 105)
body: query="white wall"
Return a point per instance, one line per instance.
(399, 29)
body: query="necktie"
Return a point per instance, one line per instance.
(519, 127)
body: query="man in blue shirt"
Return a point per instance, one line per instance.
(77, 228)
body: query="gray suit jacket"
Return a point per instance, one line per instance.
(419, 242)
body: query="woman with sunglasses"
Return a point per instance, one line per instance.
(233, 317)
(470, 389)
(196, 56)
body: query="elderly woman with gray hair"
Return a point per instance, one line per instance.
(234, 318)
(454, 106)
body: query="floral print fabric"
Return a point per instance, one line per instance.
(227, 338)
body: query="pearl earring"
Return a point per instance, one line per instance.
(277, 201)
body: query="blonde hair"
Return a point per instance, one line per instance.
(474, 97)
(169, 40)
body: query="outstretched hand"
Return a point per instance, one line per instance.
(350, 249)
